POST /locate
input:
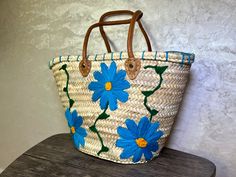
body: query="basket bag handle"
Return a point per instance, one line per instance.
(132, 65)
(121, 12)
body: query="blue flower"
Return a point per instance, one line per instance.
(110, 86)
(140, 139)
(75, 122)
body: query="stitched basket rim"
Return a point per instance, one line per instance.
(167, 56)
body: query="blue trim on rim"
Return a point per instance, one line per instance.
(143, 55)
(121, 55)
(95, 58)
(78, 57)
(189, 61)
(182, 62)
(174, 51)
(184, 54)
(167, 56)
(155, 57)
(112, 56)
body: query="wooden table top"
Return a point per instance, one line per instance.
(56, 156)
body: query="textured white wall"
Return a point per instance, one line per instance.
(32, 32)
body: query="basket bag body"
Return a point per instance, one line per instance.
(120, 106)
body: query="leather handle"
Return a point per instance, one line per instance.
(121, 12)
(85, 64)
(132, 65)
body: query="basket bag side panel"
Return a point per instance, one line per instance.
(153, 100)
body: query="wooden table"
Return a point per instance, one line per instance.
(56, 156)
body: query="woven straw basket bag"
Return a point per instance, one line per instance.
(120, 106)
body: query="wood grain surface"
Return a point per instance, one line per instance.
(56, 156)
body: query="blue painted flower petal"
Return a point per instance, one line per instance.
(105, 72)
(95, 86)
(155, 136)
(147, 154)
(120, 75)
(121, 95)
(137, 155)
(97, 94)
(128, 152)
(145, 129)
(99, 77)
(103, 100)
(74, 116)
(78, 121)
(80, 138)
(125, 133)
(69, 117)
(76, 141)
(132, 127)
(81, 131)
(112, 102)
(143, 126)
(120, 85)
(112, 70)
(152, 129)
(153, 146)
(125, 143)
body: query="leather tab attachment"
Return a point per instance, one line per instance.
(85, 67)
(132, 67)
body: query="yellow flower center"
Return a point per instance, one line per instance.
(72, 129)
(141, 142)
(108, 86)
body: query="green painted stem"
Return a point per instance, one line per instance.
(93, 128)
(159, 70)
(65, 89)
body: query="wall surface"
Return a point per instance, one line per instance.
(32, 32)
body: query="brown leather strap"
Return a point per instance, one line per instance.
(132, 65)
(121, 12)
(85, 64)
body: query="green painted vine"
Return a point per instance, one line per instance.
(65, 89)
(93, 128)
(159, 70)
